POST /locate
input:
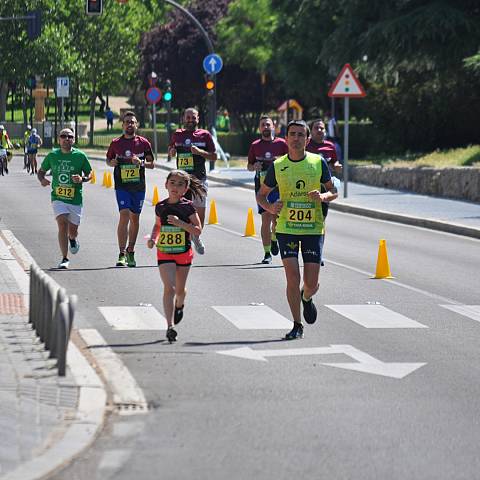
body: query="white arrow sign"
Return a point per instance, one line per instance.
(366, 363)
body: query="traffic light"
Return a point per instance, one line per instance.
(167, 92)
(94, 7)
(210, 84)
(34, 24)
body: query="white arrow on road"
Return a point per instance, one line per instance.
(366, 363)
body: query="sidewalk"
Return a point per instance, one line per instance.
(39, 410)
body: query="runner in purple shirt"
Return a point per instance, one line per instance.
(261, 155)
(129, 154)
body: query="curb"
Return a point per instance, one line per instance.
(92, 403)
(427, 223)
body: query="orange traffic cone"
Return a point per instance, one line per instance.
(109, 180)
(212, 217)
(155, 196)
(104, 181)
(93, 180)
(383, 267)
(250, 226)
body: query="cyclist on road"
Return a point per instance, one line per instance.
(33, 144)
(70, 168)
(191, 146)
(129, 154)
(261, 155)
(5, 146)
(300, 223)
(176, 221)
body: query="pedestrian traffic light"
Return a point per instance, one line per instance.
(94, 7)
(167, 92)
(34, 24)
(210, 84)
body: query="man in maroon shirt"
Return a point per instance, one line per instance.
(192, 146)
(129, 154)
(261, 155)
(323, 147)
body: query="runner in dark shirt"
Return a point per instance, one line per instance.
(130, 154)
(261, 155)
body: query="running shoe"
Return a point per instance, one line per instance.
(198, 244)
(295, 332)
(267, 259)
(63, 265)
(309, 310)
(178, 315)
(122, 260)
(171, 335)
(74, 245)
(274, 247)
(131, 259)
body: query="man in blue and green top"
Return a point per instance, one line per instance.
(69, 168)
(300, 221)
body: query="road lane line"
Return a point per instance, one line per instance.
(375, 316)
(125, 389)
(134, 318)
(470, 311)
(254, 317)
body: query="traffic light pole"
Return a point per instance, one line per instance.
(212, 100)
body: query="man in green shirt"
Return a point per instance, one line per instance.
(69, 168)
(300, 221)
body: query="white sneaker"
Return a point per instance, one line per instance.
(198, 244)
(73, 245)
(63, 265)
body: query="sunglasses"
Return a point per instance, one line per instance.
(67, 136)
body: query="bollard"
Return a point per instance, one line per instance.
(49, 312)
(62, 321)
(52, 328)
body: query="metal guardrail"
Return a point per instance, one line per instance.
(51, 314)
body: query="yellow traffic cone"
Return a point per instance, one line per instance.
(93, 180)
(250, 226)
(109, 180)
(155, 196)
(104, 181)
(212, 217)
(383, 267)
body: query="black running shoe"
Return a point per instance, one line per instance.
(309, 310)
(274, 247)
(295, 332)
(178, 315)
(171, 335)
(267, 259)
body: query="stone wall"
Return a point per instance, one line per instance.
(462, 183)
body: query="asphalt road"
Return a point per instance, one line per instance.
(286, 414)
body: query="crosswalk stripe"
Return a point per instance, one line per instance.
(470, 311)
(375, 316)
(253, 317)
(134, 318)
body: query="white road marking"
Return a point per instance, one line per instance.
(375, 316)
(134, 318)
(470, 311)
(254, 317)
(124, 387)
(366, 363)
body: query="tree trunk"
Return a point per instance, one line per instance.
(93, 97)
(3, 99)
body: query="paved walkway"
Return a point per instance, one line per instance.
(39, 411)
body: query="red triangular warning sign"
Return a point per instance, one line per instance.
(346, 84)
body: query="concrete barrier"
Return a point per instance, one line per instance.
(462, 183)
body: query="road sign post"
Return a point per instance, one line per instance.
(212, 64)
(346, 85)
(154, 95)
(63, 91)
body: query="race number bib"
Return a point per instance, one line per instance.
(65, 191)
(130, 173)
(185, 161)
(171, 239)
(300, 215)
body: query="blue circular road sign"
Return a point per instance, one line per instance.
(154, 95)
(212, 64)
